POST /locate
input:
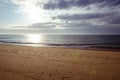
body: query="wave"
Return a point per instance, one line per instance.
(102, 45)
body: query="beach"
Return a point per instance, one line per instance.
(57, 63)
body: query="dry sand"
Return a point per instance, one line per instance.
(43, 63)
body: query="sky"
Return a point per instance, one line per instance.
(60, 16)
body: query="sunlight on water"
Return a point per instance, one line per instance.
(35, 38)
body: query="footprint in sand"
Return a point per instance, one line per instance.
(66, 78)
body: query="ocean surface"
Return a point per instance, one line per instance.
(76, 41)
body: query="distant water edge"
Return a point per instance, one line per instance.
(72, 41)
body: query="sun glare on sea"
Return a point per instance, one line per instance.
(35, 38)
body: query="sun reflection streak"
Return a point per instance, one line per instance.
(35, 38)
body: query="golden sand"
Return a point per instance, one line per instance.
(45, 63)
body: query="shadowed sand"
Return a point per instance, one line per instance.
(37, 63)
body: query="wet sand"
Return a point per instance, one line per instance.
(45, 63)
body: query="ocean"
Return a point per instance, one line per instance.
(75, 41)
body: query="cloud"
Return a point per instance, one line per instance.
(47, 25)
(106, 19)
(71, 28)
(61, 4)
(72, 16)
(66, 4)
(84, 16)
(39, 26)
(114, 19)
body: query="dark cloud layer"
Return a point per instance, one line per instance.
(66, 4)
(85, 16)
(114, 19)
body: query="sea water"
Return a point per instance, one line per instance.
(82, 41)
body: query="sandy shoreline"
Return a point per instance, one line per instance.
(44, 63)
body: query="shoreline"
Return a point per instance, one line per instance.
(67, 47)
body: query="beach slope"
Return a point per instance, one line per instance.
(45, 63)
